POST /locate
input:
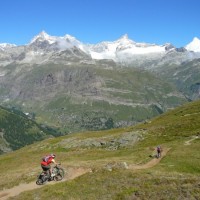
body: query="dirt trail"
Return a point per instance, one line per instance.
(151, 163)
(188, 142)
(72, 173)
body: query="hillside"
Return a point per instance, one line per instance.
(17, 130)
(82, 96)
(185, 76)
(111, 156)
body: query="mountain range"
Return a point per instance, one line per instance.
(119, 50)
(75, 86)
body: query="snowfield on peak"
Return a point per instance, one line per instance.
(194, 45)
(4, 46)
(44, 36)
(115, 50)
(62, 43)
(123, 46)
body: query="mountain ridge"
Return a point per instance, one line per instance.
(122, 50)
(45, 36)
(69, 41)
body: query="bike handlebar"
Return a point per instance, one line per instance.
(58, 164)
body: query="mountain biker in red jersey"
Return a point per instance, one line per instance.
(46, 163)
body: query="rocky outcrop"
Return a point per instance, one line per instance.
(110, 142)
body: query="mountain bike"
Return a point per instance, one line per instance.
(57, 175)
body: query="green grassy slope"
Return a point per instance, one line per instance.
(17, 130)
(176, 176)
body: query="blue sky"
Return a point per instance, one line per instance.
(93, 21)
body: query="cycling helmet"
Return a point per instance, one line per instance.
(53, 155)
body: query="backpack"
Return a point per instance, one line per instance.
(158, 149)
(46, 158)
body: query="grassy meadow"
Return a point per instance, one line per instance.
(175, 177)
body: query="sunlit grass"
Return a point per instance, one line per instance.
(176, 175)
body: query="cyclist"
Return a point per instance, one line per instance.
(158, 151)
(47, 162)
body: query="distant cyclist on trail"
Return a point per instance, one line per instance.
(159, 150)
(46, 163)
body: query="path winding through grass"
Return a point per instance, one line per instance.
(72, 173)
(151, 163)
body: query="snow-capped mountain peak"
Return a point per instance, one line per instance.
(124, 37)
(69, 37)
(43, 36)
(194, 45)
(124, 48)
(196, 39)
(4, 46)
(61, 42)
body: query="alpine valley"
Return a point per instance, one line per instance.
(71, 86)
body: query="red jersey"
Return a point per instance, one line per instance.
(47, 160)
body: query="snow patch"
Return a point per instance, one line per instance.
(194, 45)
